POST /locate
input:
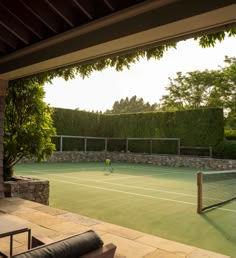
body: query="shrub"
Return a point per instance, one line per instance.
(230, 134)
(225, 149)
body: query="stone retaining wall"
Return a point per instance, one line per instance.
(163, 160)
(36, 190)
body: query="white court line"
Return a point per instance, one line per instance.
(160, 168)
(136, 187)
(119, 191)
(110, 179)
(118, 178)
(151, 175)
(130, 193)
(80, 169)
(123, 185)
(103, 180)
(63, 169)
(131, 186)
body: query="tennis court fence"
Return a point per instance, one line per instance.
(163, 146)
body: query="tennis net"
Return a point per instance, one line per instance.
(215, 188)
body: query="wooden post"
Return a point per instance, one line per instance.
(61, 143)
(85, 144)
(178, 147)
(3, 90)
(151, 146)
(210, 150)
(106, 140)
(199, 192)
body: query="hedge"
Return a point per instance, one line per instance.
(76, 123)
(225, 150)
(202, 127)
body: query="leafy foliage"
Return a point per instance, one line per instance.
(230, 134)
(211, 39)
(209, 88)
(133, 104)
(124, 61)
(225, 149)
(28, 124)
(230, 121)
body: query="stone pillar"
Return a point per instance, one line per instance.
(3, 89)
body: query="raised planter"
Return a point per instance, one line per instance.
(31, 189)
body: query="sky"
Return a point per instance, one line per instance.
(146, 79)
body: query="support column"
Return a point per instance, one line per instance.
(3, 89)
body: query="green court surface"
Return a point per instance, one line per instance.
(157, 200)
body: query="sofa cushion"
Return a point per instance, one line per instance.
(70, 247)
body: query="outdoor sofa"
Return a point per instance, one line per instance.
(85, 245)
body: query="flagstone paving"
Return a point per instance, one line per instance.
(55, 224)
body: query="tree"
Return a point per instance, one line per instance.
(230, 121)
(133, 104)
(28, 125)
(209, 88)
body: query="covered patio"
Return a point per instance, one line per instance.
(54, 224)
(37, 36)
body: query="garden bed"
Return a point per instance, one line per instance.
(31, 189)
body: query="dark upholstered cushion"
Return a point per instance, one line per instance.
(71, 247)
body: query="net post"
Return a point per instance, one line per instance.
(199, 192)
(61, 143)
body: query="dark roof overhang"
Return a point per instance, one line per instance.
(140, 25)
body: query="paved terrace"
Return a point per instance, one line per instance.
(55, 224)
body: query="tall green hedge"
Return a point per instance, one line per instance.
(76, 123)
(202, 127)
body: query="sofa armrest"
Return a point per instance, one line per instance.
(70, 247)
(106, 251)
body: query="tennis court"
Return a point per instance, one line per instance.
(153, 199)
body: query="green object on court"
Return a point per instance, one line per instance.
(108, 162)
(153, 199)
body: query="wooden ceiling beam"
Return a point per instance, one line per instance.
(7, 42)
(83, 9)
(8, 38)
(42, 14)
(61, 11)
(11, 24)
(109, 4)
(22, 19)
